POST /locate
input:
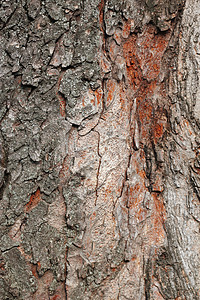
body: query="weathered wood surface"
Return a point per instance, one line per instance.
(99, 149)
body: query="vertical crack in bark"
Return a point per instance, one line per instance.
(60, 97)
(98, 170)
(102, 28)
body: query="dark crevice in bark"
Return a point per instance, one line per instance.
(148, 272)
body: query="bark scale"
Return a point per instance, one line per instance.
(99, 149)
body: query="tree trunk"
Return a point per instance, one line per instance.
(99, 149)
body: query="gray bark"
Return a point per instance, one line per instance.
(99, 149)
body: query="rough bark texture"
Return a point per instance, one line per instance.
(99, 149)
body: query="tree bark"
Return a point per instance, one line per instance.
(99, 149)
